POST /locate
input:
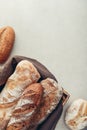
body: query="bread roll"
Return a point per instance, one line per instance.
(26, 108)
(51, 97)
(76, 115)
(25, 74)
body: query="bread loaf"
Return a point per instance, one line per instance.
(7, 37)
(26, 108)
(24, 75)
(51, 97)
(76, 115)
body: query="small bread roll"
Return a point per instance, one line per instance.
(76, 115)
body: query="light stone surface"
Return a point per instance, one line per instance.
(55, 33)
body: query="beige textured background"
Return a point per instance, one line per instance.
(55, 33)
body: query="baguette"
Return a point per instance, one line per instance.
(51, 97)
(24, 75)
(26, 108)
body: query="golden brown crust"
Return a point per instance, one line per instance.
(14, 88)
(51, 97)
(30, 101)
(26, 108)
(7, 36)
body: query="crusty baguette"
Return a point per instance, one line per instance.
(26, 108)
(25, 74)
(51, 97)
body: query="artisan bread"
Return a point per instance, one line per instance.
(51, 97)
(7, 37)
(24, 119)
(76, 115)
(24, 75)
(26, 108)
